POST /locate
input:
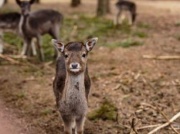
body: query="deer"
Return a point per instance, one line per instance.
(125, 9)
(8, 23)
(35, 24)
(72, 83)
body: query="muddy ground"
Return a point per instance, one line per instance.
(141, 89)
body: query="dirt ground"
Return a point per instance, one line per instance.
(8, 125)
(142, 89)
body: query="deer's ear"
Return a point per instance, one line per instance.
(91, 43)
(32, 1)
(18, 2)
(58, 45)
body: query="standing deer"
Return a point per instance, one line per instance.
(8, 23)
(33, 25)
(72, 83)
(125, 9)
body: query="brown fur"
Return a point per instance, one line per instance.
(72, 84)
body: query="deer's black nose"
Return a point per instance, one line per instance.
(74, 66)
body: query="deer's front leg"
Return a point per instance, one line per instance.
(1, 42)
(68, 124)
(40, 50)
(130, 21)
(34, 52)
(116, 18)
(1, 47)
(80, 124)
(26, 47)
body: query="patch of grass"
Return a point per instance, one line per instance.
(125, 28)
(21, 95)
(86, 27)
(46, 111)
(14, 97)
(177, 24)
(107, 111)
(32, 70)
(140, 34)
(125, 44)
(8, 10)
(177, 37)
(130, 43)
(48, 47)
(95, 26)
(12, 39)
(143, 25)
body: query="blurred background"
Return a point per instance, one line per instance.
(134, 68)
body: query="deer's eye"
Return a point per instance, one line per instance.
(66, 56)
(83, 55)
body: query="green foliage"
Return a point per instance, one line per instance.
(12, 39)
(143, 25)
(125, 44)
(47, 47)
(140, 34)
(86, 26)
(125, 29)
(129, 43)
(107, 111)
(46, 111)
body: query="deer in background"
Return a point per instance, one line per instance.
(125, 9)
(36, 24)
(8, 23)
(72, 83)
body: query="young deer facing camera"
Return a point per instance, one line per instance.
(72, 83)
(33, 25)
(125, 9)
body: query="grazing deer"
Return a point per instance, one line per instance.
(72, 83)
(33, 25)
(8, 23)
(125, 9)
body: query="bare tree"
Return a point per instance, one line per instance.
(75, 3)
(103, 7)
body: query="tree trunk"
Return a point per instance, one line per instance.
(37, 1)
(103, 7)
(75, 3)
(108, 6)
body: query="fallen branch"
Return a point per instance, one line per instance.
(149, 126)
(18, 56)
(9, 59)
(168, 120)
(133, 126)
(158, 110)
(165, 57)
(165, 124)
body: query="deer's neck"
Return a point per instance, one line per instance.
(22, 24)
(74, 86)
